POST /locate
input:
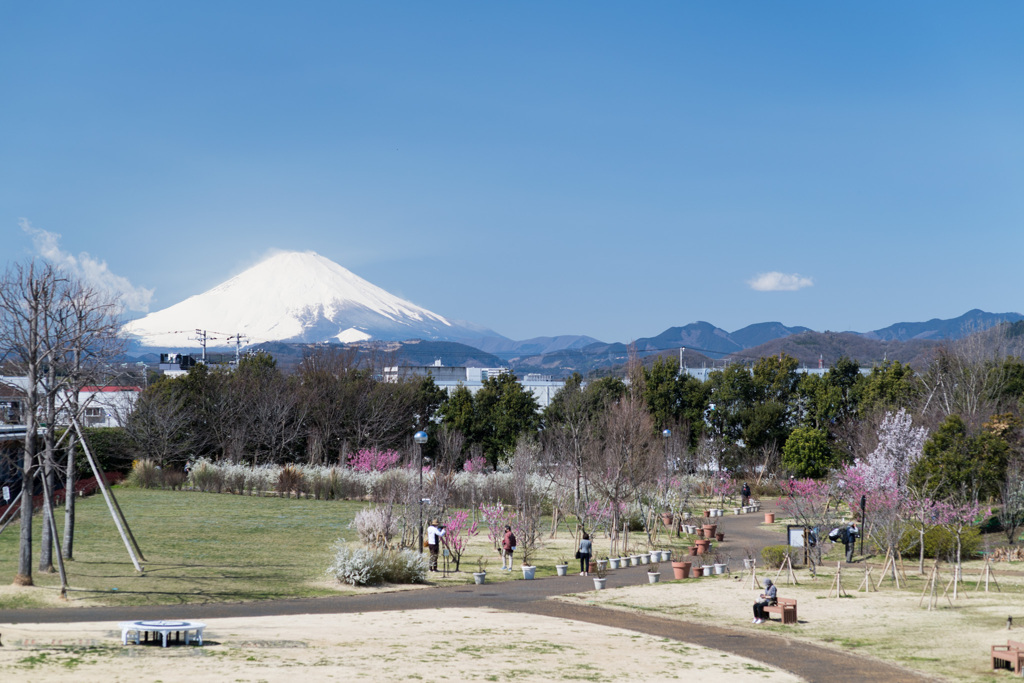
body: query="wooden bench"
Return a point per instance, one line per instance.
(786, 608)
(1011, 655)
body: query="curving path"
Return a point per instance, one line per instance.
(810, 662)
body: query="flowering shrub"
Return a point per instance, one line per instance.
(497, 518)
(458, 531)
(375, 526)
(372, 460)
(372, 566)
(475, 464)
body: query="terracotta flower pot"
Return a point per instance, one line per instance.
(720, 537)
(709, 530)
(693, 550)
(769, 518)
(702, 547)
(666, 519)
(700, 533)
(681, 570)
(593, 566)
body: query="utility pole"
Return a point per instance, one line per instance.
(201, 338)
(239, 338)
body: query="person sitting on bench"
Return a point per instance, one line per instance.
(769, 597)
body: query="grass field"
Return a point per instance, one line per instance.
(198, 548)
(203, 547)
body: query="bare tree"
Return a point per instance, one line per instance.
(28, 294)
(626, 458)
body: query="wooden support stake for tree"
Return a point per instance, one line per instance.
(865, 585)
(48, 512)
(837, 583)
(954, 582)
(12, 510)
(115, 513)
(885, 566)
(929, 587)
(987, 575)
(790, 575)
(753, 575)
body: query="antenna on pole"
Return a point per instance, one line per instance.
(201, 338)
(239, 338)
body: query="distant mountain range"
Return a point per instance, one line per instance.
(295, 299)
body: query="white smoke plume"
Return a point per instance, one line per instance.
(91, 271)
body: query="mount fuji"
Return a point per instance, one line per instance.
(298, 297)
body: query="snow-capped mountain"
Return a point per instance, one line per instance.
(297, 297)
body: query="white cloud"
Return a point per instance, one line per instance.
(91, 271)
(779, 282)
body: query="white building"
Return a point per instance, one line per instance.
(107, 406)
(542, 387)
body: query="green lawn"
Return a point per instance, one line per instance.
(204, 547)
(199, 547)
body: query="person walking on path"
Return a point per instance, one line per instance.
(850, 535)
(435, 533)
(745, 494)
(508, 546)
(586, 549)
(769, 597)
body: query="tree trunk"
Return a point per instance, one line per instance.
(920, 563)
(68, 544)
(46, 539)
(24, 575)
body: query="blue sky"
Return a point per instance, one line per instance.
(610, 169)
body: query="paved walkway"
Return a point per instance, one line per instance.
(808, 661)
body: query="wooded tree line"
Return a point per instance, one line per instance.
(760, 420)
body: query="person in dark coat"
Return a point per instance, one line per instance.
(769, 597)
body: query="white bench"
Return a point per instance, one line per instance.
(164, 628)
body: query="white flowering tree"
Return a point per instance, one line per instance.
(900, 445)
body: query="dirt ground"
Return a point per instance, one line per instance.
(434, 645)
(951, 641)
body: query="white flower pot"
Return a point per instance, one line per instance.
(599, 583)
(645, 558)
(602, 565)
(562, 569)
(613, 563)
(528, 572)
(707, 569)
(666, 555)
(634, 560)
(653, 577)
(720, 568)
(737, 511)
(479, 577)
(655, 556)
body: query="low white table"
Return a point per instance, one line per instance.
(192, 630)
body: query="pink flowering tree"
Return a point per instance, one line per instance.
(811, 503)
(372, 460)
(957, 517)
(721, 485)
(922, 513)
(458, 531)
(496, 517)
(475, 464)
(884, 508)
